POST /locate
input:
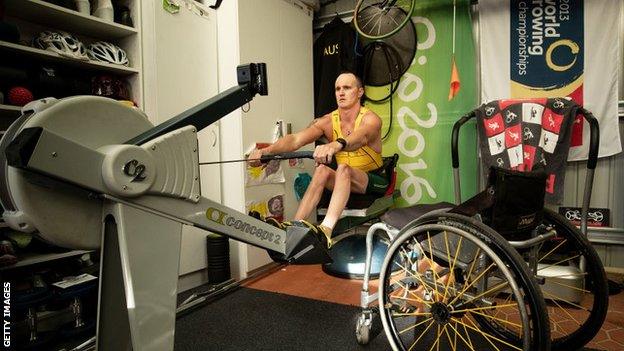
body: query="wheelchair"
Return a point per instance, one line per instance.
(476, 276)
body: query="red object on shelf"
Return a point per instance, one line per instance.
(19, 96)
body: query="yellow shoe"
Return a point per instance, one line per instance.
(322, 232)
(274, 222)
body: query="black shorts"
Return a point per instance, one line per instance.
(377, 182)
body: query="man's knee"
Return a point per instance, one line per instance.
(321, 174)
(343, 171)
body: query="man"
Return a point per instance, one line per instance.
(355, 141)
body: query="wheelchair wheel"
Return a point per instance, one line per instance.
(456, 273)
(574, 284)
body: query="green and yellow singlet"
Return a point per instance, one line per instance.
(364, 158)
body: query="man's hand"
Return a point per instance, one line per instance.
(323, 154)
(254, 158)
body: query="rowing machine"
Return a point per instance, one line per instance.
(87, 172)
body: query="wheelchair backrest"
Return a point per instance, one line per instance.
(522, 134)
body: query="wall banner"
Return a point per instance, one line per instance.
(555, 48)
(427, 103)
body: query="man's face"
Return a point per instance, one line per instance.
(347, 91)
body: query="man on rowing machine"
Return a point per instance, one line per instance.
(355, 141)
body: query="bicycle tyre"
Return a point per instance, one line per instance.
(377, 19)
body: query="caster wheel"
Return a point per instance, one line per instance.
(362, 329)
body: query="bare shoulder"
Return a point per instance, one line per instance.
(323, 123)
(371, 117)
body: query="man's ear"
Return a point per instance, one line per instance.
(360, 92)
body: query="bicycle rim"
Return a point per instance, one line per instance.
(379, 19)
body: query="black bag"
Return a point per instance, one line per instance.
(518, 202)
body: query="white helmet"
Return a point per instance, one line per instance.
(107, 52)
(63, 43)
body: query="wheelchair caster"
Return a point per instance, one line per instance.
(368, 326)
(363, 328)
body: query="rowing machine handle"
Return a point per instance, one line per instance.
(287, 156)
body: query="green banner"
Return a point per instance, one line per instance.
(423, 115)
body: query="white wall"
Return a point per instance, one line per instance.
(232, 174)
(278, 33)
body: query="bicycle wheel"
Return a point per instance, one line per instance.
(379, 19)
(576, 293)
(453, 270)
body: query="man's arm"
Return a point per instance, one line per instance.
(292, 142)
(367, 132)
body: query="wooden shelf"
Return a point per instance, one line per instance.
(8, 115)
(31, 259)
(50, 56)
(10, 111)
(62, 18)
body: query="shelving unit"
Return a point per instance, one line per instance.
(8, 111)
(33, 16)
(42, 12)
(49, 56)
(31, 259)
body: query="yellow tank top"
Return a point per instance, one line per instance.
(364, 158)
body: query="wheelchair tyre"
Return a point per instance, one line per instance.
(452, 315)
(592, 310)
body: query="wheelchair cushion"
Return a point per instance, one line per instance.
(400, 217)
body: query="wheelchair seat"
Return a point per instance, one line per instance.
(400, 217)
(349, 250)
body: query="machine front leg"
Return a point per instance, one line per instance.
(138, 280)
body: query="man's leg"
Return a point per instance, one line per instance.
(322, 176)
(346, 181)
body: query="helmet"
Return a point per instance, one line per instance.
(110, 87)
(107, 52)
(62, 43)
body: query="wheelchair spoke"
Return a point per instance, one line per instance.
(560, 262)
(406, 287)
(469, 342)
(421, 335)
(504, 301)
(471, 284)
(567, 275)
(483, 308)
(411, 314)
(452, 343)
(572, 287)
(437, 342)
(551, 251)
(451, 272)
(490, 337)
(555, 297)
(411, 327)
(491, 290)
(563, 309)
(435, 275)
(497, 319)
